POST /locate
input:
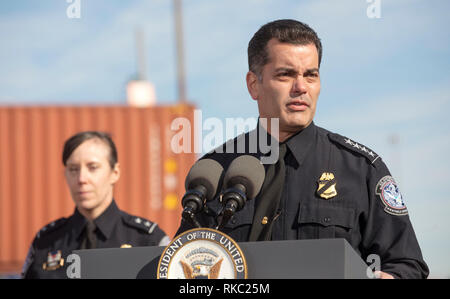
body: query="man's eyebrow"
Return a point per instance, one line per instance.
(313, 70)
(285, 69)
(292, 70)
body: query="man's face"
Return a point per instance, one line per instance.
(90, 177)
(289, 86)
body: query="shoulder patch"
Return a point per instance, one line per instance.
(389, 193)
(354, 147)
(51, 227)
(140, 223)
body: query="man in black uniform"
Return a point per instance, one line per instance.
(91, 170)
(323, 185)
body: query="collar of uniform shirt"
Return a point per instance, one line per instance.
(299, 144)
(78, 222)
(105, 222)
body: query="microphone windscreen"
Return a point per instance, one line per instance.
(207, 173)
(248, 171)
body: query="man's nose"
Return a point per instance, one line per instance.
(298, 86)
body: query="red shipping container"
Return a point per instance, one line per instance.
(33, 191)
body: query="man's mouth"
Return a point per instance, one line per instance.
(297, 105)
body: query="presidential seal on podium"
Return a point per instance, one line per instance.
(202, 253)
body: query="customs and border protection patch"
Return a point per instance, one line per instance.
(390, 196)
(54, 261)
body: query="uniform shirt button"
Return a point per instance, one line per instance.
(233, 220)
(327, 219)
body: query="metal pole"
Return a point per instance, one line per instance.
(180, 54)
(140, 48)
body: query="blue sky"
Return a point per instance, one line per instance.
(380, 76)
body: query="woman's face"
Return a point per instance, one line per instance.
(90, 177)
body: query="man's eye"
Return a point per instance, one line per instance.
(73, 169)
(282, 74)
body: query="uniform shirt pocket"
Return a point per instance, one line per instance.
(320, 222)
(238, 227)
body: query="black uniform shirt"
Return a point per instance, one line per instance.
(334, 188)
(115, 228)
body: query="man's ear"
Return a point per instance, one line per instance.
(252, 84)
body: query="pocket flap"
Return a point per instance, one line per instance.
(327, 216)
(243, 217)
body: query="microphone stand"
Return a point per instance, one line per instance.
(234, 200)
(190, 217)
(193, 202)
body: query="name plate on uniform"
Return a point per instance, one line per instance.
(202, 253)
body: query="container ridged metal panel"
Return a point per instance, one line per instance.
(33, 191)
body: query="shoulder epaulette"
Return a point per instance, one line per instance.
(354, 147)
(51, 227)
(140, 223)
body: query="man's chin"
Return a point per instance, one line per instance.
(295, 125)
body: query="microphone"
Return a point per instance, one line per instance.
(201, 185)
(243, 180)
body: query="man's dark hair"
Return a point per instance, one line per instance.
(76, 140)
(285, 31)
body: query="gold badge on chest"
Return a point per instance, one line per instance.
(327, 186)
